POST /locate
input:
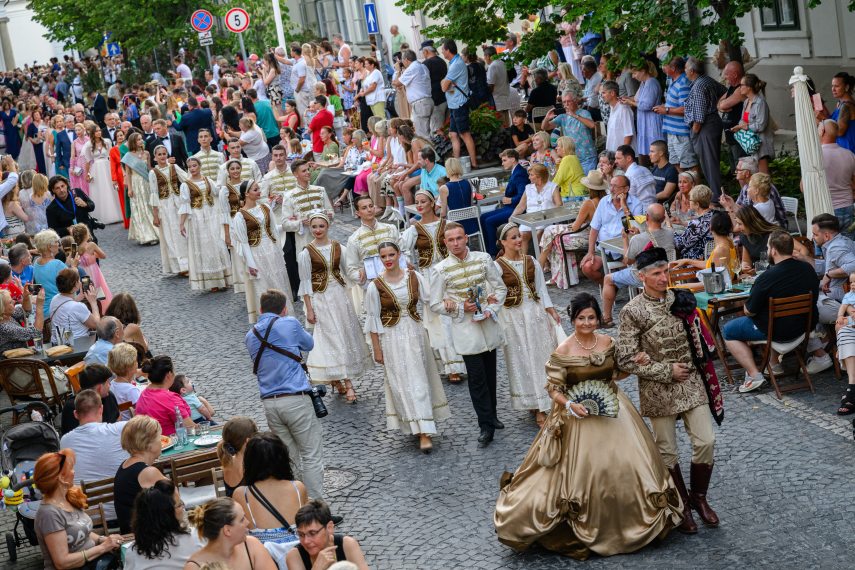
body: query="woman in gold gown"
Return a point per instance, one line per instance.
(588, 483)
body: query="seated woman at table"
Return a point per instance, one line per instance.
(540, 195)
(223, 524)
(141, 439)
(231, 449)
(456, 193)
(724, 251)
(690, 244)
(158, 401)
(569, 174)
(161, 537)
(124, 308)
(681, 207)
(270, 496)
(66, 310)
(754, 233)
(63, 528)
(560, 237)
(14, 334)
(122, 362)
(341, 178)
(542, 154)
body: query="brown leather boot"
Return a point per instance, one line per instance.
(688, 526)
(700, 479)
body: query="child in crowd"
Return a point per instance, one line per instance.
(348, 92)
(521, 133)
(90, 253)
(846, 312)
(200, 409)
(295, 149)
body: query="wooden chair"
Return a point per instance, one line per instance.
(27, 380)
(125, 406)
(98, 492)
(680, 275)
(219, 482)
(99, 521)
(73, 374)
(195, 468)
(787, 307)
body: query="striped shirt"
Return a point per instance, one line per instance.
(675, 96)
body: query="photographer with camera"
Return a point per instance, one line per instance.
(291, 404)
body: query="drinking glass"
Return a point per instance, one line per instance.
(203, 428)
(67, 337)
(760, 266)
(38, 344)
(736, 267)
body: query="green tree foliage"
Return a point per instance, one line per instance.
(636, 26)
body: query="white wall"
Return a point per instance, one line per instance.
(28, 36)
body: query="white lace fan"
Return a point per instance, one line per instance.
(597, 397)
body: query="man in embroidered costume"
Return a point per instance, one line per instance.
(297, 203)
(249, 169)
(277, 180)
(210, 159)
(673, 381)
(362, 245)
(467, 287)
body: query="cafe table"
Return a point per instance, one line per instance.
(540, 220)
(79, 349)
(715, 306)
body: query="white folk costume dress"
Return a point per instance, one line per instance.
(255, 239)
(276, 183)
(363, 244)
(248, 171)
(530, 336)
(141, 228)
(453, 278)
(165, 185)
(207, 254)
(229, 203)
(414, 395)
(211, 161)
(423, 246)
(340, 350)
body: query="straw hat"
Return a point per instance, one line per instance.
(595, 181)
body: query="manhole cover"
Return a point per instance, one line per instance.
(336, 479)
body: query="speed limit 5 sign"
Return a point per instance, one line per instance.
(237, 20)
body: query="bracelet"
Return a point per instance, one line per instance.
(85, 558)
(570, 410)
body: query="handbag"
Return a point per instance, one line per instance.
(549, 441)
(748, 140)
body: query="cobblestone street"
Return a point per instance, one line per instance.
(781, 487)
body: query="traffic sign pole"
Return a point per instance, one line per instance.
(210, 61)
(372, 24)
(243, 50)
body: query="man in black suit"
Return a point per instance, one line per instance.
(194, 119)
(174, 145)
(64, 139)
(99, 107)
(111, 125)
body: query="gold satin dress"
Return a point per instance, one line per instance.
(609, 491)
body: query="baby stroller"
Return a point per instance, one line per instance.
(20, 446)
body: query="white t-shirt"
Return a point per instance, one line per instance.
(183, 71)
(767, 210)
(256, 144)
(378, 95)
(174, 558)
(261, 89)
(125, 392)
(621, 124)
(300, 70)
(98, 447)
(67, 314)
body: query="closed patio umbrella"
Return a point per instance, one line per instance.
(814, 183)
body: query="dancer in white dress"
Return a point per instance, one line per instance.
(528, 321)
(232, 193)
(254, 236)
(208, 257)
(96, 153)
(340, 351)
(424, 245)
(164, 182)
(136, 165)
(414, 395)
(362, 245)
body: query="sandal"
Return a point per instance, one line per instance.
(350, 393)
(847, 402)
(607, 324)
(339, 387)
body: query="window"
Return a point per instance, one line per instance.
(780, 15)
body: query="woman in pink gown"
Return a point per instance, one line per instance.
(77, 170)
(90, 253)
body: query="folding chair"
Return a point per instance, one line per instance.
(487, 184)
(791, 205)
(787, 307)
(195, 468)
(219, 482)
(469, 213)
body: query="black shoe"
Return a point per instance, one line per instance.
(336, 519)
(498, 425)
(485, 438)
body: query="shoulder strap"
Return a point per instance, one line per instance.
(304, 556)
(265, 344)
(268, 505)
(338, 540)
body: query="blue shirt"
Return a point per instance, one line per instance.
(194, 403)
(429, 179)
(675, 96)
(277, 373)
(97, 353)
(45, 275)
(26, 276)
(607, 218)
(458, 74)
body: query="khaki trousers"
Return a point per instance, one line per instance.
(293, 419)
(698, 422)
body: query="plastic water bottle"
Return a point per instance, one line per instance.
(36, 416)
(180, 430)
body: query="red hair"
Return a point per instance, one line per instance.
(50, 468)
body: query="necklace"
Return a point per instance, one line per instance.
(588, 348)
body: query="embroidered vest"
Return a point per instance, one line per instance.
(321, 269)
(308, 199)
(280, 183)
(390, 310)
(211, 162)
(513, 282)
(425, 243)
(234, 200)
(198, 196)
(367, 240)
(253, 228)
(463, 275)
(165, 185)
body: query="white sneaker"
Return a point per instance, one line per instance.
(817, 364)
(778, 369)
(752, 383)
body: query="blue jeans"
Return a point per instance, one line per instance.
(742, 328)
(846, 216)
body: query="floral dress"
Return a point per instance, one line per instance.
(690, 244)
